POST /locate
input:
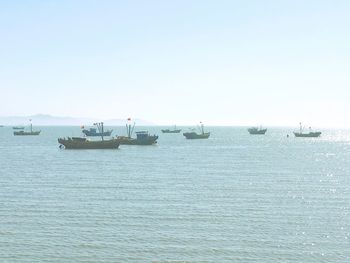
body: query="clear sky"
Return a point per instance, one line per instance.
(220, 62)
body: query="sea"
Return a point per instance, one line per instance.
(234, 197)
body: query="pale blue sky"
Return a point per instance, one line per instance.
(220, 62)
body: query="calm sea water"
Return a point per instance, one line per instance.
(231, 198)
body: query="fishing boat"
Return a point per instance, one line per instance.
(94, 133)
(84, 143)
(27, 133)
(142, 137)
(171, 131)
(194, 135)
(310, 134)
(257, 130)
(18, 127)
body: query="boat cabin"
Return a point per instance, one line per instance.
(142, 135)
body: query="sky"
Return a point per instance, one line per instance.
(220, 62)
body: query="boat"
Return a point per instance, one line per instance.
(310, 134)
(257, 130)
(142, 137)
(27, 133)
(194, 135)
(24, 133)
(84, 143)
(93, 132)
(171, 131)
(18, 127)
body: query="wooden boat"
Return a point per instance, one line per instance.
(142, 137)
(171, 131)
(257, 131)
(84, 143)
(27, 133)
(24, 133)
(193, 135)
(310, 134)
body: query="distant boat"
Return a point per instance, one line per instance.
(1, 126)
(310, 134)
(18, 127)
(171, 131)
(194, 135)
(257, 130)
(26, 133)
(93, 132)
(142, 137)
(84, 143)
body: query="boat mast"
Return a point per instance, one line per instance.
(132, 130)
(301, 129)
(99, 126)
(202, 128)
(102, 131)
(129, 130)
(31, 126)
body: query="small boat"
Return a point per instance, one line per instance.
(142, 137)
(24, 133)
(171, 131)
(84, 143)
(257, 130)
(194, 135)
(310, 134)
(27, 133)
(18, 127)
(93, 132)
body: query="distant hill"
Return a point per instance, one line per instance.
(44, 119)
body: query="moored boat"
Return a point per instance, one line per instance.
(257, 130)
(171, 131)
(194, 135)
(142, 137)
(26, 133)
(310, 134)
(84, 143)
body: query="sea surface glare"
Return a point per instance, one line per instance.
(232, 198)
